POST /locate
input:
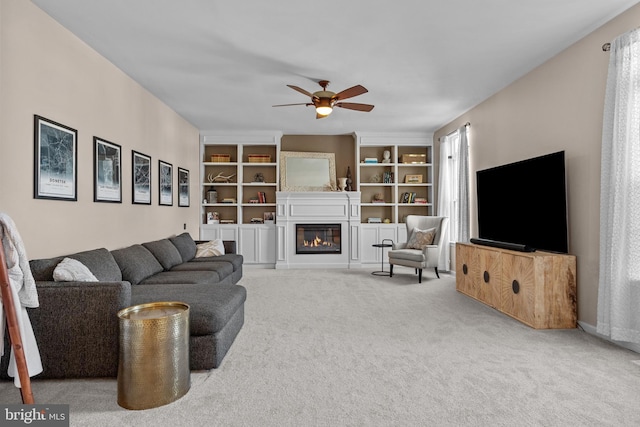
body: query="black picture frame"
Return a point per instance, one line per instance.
(183, 187)
(107, 171)
(55, 173)
(165, 183)
(140, 178)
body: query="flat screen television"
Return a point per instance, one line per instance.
(524, 204)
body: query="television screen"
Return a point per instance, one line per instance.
(525, 203)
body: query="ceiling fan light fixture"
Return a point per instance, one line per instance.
(324, 106)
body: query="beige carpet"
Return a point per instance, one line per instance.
(345, 348)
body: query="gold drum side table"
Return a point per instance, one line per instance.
(154, 354)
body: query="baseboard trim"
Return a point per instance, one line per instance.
(590, 329)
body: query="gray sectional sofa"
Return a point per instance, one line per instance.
(76, 325)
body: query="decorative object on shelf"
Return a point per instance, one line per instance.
(183, 187)
(374, 220)
(413, 179)
(258, 177)
(387, 178)
(370, 160)
(227, 221)
(269, 217)
(414, 158)
(307, 171)
(107, 171)
(220, 158)
(212, 196)
(257, 221)
(375, 178)
(387, 221)
(141, 178)
(254, 200)
(230, 200)
(220, 177)
(386, 156)
(377, 198)
(342, 183)
(165, 183)
(349, 179)
(56, 160)
(259, 158)
(213, 218)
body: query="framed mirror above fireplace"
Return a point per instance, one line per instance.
(301, 171)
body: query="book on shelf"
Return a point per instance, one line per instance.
(420, 200)
(228, 200)
(227, 221)
(370, 160)
(262, 197)
(374, 220)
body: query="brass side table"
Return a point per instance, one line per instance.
(153, 369)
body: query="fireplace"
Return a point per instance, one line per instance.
(318, 239)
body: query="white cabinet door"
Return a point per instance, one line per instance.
(257, 244)
(267, 244)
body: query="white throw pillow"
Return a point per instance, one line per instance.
(71, 270)
(212, 248)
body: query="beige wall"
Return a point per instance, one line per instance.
(557, 106)
(46, 70)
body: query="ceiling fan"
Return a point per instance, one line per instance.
(324, 100)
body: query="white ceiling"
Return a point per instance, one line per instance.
(223, 64)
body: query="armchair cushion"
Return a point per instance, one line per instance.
(421, 238)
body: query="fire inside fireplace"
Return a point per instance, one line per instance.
(318, 239)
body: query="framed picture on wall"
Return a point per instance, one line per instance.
(140, 178)
(107, 171)
(183, 187)
(55, 160)
(165, 176)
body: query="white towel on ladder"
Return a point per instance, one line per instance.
(24, 292)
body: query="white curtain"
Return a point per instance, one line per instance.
(463, 187)
(453, 189)
(619, 284)
(445, 200)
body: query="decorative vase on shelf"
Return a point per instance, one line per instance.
(342, 183)
(349, 180)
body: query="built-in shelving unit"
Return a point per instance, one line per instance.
(241, 203)
(409, 171)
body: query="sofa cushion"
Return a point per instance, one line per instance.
(234, 259)
(99, 261)
(202, 277)
(185, 245)
(136, 263)
(210, 307)
(71, 270)
(223, 269)
(165, 252)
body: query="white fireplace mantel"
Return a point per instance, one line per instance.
(317, 208)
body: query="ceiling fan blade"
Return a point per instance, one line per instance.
(287, 105)
(299, 89)
(354, 106)
(351, 92)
